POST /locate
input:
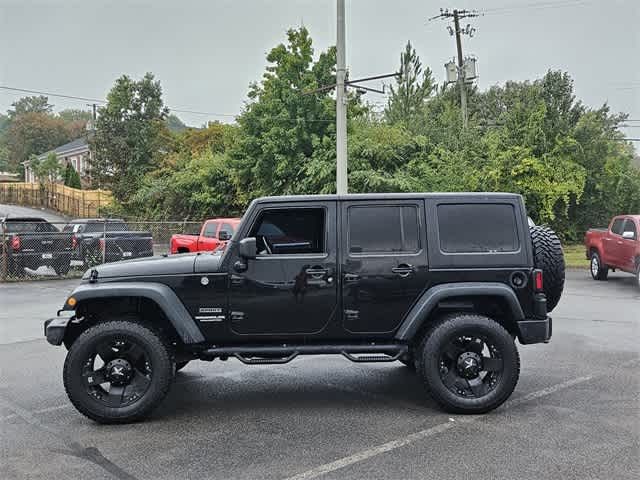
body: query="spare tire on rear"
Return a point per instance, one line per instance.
(549, 257)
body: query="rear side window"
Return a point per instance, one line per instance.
(383, 229)
(477, 228)
(617, 226)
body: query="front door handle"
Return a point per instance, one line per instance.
(403, 270)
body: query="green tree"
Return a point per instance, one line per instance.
(47, 170)
(174, 124)
(413, 88)
(35, 133)
(128, 136)
(35, 104)
(75, 115)
(284, 124)
(71, 177)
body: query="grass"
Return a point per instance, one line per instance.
(574, 256)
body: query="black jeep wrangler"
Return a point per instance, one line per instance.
(443, 283)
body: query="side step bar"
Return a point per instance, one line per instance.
(279, 354)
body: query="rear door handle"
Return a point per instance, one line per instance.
(351, 277)
(403, 270)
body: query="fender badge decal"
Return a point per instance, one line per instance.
(204, 281)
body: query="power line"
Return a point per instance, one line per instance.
(534, 6)
(101, 101)
(49, 94)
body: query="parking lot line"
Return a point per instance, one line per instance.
(435, 430)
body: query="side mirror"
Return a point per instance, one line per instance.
(629, 235)
(224, 235)
(247, 247)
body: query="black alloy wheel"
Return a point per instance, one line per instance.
(118, 371)
(470, 366)
(468, 362)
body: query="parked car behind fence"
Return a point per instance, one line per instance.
(70, 248)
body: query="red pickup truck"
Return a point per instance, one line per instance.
(616, 247)
(214, 233)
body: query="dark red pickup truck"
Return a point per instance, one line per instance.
(213, 234)
(615, 248)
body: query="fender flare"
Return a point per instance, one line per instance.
(419, 312)
(162, 295)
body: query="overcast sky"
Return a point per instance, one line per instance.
(206, 52)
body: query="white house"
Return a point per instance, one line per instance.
(76, 153)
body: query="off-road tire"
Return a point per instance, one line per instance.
(549, 257)
(428, 364)
(598, 270)
(162, 365)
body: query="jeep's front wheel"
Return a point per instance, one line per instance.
(118, 371)
(469, 363)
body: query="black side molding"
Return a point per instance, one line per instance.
(429, 300)
(159, 293)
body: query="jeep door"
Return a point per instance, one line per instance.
(384, 262)
(290, 287)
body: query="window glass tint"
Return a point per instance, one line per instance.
(227, 227)
(19, 226)
(383, 229)
(629, 226)
(617, 226)
(290, 231)
(477, 228)
(93, 227)
(210, 229)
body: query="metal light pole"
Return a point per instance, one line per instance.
(341, 104)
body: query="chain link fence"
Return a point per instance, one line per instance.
(36, 249)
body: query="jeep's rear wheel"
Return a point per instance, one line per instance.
(599, 271)
(118, 371)
(469, 363)
(549, 257)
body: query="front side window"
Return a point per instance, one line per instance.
(477, 228)
(290, 231)
(210, 229)
(617, 226)
(630, 226)
(227, 227)
(383, 229)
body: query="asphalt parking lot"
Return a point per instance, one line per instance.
(575, 412)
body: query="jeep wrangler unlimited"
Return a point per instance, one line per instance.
(443, 283)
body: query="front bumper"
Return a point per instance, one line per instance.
(535, 330)
(55, 329)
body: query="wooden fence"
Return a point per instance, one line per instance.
(66, 200)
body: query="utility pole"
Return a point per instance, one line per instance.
(463, 90)
(341, 86)
(341, 104)
(458, 32)
(94, 115)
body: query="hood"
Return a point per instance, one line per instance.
(182, 264)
